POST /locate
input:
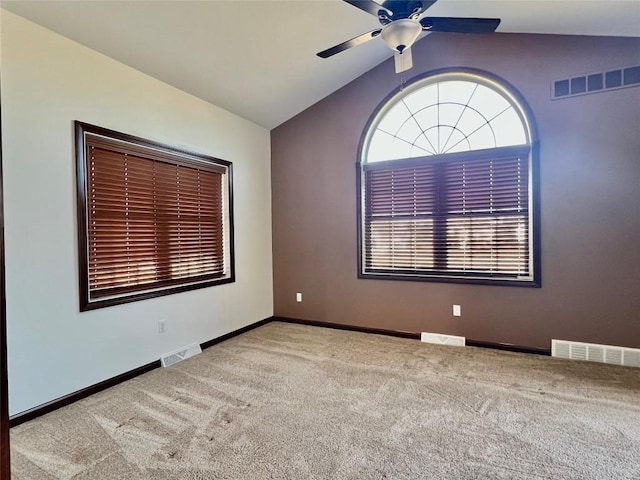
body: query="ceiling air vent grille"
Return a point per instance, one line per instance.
(596, 82)
(592, 352)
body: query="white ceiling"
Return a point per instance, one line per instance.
(257, 58)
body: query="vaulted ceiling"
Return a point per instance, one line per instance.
(257, 58)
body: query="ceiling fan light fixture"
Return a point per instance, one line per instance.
(401, 25)
(401, 34)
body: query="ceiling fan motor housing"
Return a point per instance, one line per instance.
(401, 34)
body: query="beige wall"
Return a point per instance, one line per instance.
(590, 203)
(47, 83)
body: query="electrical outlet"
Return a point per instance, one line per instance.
(161, 326)
(298, 297)
(456, 311)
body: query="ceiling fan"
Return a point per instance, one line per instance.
(401, 25)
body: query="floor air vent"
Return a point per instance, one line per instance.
(442, 339)
(172, 358)
(592, 352)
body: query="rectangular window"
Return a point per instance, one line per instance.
(153, 220)
(451, 217)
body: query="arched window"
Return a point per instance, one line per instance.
(446, 185)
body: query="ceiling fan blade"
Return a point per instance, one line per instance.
(406, 8)
(460, 25)
(354, 42)
(403, 61)
(368, 6)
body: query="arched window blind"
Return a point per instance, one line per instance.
(446, 185)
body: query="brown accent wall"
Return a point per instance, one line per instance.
(589, 192)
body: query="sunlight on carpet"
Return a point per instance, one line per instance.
(289, 401)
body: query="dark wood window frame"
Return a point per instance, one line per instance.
(438, 273)
(153, 220)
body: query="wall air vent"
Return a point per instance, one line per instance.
(596, 82)
(183, 353)
(442, 339)
(592, 352)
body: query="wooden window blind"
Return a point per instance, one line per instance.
(154, 220)
(459, 215)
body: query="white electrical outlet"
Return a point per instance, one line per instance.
(456, 311)
(298, 297)
(161, 326)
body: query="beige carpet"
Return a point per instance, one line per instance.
(297, 402)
